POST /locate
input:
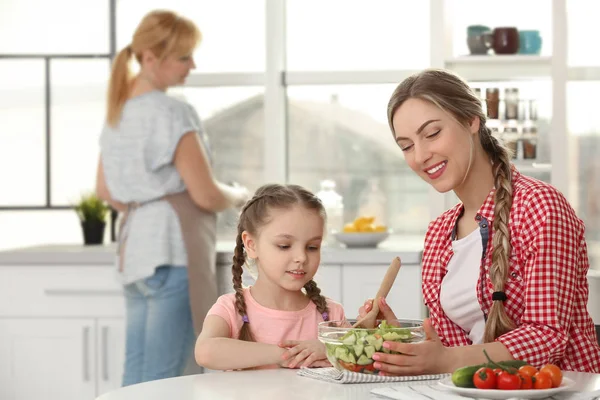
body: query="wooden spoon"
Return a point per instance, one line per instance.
(368, 321)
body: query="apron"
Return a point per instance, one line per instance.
(199, 232)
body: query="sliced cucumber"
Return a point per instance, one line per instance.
(351, 358)
(378, 343)
(331, 348)
(391, 336)
(371, 339)
(369, 351)
(350, 340)
(364, 360)
(341, 353)
(358, 349)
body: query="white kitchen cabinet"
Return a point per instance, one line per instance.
(361, 282)
(47, 358)
(329, 280)
(110, 348)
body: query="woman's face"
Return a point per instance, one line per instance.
(171, 71)
(434, 144)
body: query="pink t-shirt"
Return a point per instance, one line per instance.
(272, 326)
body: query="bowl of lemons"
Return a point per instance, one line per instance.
(362, 232)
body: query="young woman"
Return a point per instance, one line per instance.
(505, 269)
(155, 168)
(273, 322)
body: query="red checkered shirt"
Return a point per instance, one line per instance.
(547, 288)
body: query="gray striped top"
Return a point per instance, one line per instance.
(137, 157)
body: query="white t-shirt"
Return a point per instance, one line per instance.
(458, 293)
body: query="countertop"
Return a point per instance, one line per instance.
(277, 384)
(409, 249)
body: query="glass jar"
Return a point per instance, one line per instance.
(334, 207)
(510, 137)
(530, 148)
(492, 100)
(533, 110)
(511, 102)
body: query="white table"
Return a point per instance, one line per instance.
(270, 384)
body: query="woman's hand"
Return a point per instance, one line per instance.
(385, 312)
(304, 353)
(428, 357)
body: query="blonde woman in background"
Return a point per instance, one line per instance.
(505, 269)
(155, 168)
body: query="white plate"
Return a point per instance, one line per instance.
(361, 239)
(506, 394)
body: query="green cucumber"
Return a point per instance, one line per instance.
(463, 377)
(369, 351)
(364, 360)
(358, 349)
(350, 340)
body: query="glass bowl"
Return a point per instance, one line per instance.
(352, 348)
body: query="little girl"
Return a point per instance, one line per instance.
(274, 322)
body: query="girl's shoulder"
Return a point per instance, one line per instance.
(336, 310)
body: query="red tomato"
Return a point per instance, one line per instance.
(350, 366)
(484, 378)
(542, 380)
(528, 370)
(554, 372)
(526, 381)
(508, 381)
(497, 371)
(370, 367)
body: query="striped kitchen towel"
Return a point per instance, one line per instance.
(333, 375)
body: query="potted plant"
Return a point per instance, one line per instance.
(92, 213)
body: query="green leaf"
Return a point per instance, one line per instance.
(91, 208)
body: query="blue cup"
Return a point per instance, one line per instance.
(530, 42)
(477, 30)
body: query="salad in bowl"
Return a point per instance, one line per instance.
(352, 349)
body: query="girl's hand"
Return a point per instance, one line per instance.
(320, 364)
(302, 353)
(385, 312)
(428, 357)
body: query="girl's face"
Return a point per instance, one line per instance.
(287, 249)
(434, 144)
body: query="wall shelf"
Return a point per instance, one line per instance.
(501, 67)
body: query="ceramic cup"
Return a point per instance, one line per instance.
(506, 40)
(474, 30)
(481, 43)
(530, 42)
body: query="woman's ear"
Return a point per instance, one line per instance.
(249, 244)
(148, 58)
(475, 125)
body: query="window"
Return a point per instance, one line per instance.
(582, 19)
(341, 133)
(233, 30)
(584, 190)
(33, 228)
(233, 118)
(357, 35)
(23, 138)
(54, 27)
(78, 89)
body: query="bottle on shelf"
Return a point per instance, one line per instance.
(372, 202)
(334, 207)
(492, 100)
(529, 141)
(511, 103)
